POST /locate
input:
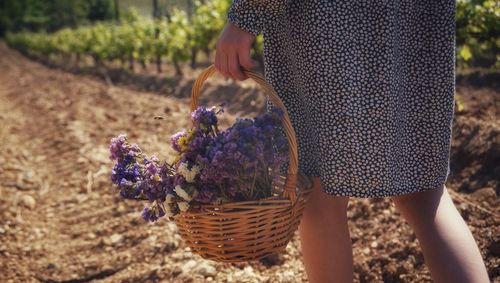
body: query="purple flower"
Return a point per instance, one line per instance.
(127, 176)
(136, 174)
(237, 155)
(198, 141)
(116, 146)
(207, 194)
(120, 148)
(178, 180)
(152, 213)
(155, 183)
(204, 118)
(151, 165)
(175, 140)
(231, 165)
(167, 177)
(128, 189)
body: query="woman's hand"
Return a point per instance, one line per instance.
(233, 52)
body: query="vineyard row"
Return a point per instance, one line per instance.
(175, 39)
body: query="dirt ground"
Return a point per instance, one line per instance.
(61, 220)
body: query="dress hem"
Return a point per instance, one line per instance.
(341, 192)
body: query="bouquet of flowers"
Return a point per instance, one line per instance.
(210, 167)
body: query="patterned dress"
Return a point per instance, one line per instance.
(368, 84)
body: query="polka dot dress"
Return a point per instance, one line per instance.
(369, 86)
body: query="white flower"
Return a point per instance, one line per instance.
(182, 193)
(189, 175)
(169, 198)
(193, 173)
(168, 211)
(183, 205)
(183, 170)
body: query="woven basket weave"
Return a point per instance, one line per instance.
(249, 230)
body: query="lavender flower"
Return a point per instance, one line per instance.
(175, 140)
(207, 194)
(121, 149)
(127, 172)
(210, 167)
(153, 212)
(204, 118)
(156, 183)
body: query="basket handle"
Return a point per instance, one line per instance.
(291, 179)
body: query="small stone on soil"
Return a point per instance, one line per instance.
(28, 201)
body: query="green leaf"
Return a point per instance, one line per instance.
(465, 53)
(459, 104)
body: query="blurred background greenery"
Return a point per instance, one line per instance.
(156, 31)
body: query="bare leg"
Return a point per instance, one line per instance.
(449, 248)
(324, 235)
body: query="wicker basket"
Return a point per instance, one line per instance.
(249, 230)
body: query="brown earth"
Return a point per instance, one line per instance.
(62, 221)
